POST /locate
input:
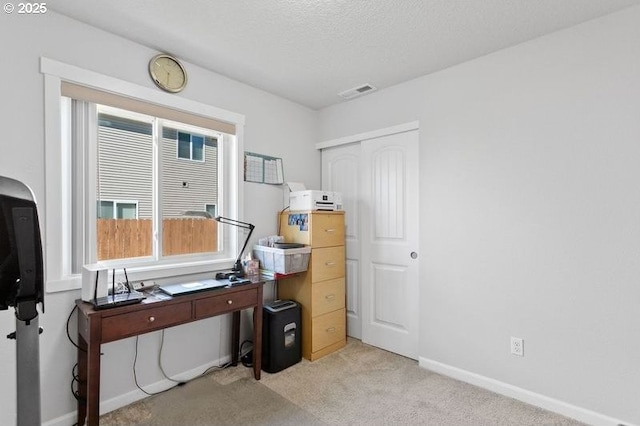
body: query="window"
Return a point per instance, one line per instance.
(190, 147)
(114, 162)
(113, 209)
(128, 165)
(211, 209)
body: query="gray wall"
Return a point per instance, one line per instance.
(273, 126)
(530, 211)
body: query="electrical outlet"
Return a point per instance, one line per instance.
(517, 346)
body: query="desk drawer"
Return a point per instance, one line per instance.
(327, 296)
(133, 323)
(328, 329)
(327, 263)
(217, 305)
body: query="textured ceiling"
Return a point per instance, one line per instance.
(310, 50)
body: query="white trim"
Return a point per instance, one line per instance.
(58, 276)
(137, 395)
(87, 205)
(539, 400)
(78, 75)
(56, 233)
(400, 128)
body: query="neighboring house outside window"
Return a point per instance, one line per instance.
(126, 181)
(126, 166)
(117, 209)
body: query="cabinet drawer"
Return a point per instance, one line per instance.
(142, 321)
(324, 229)
(327, 229)
(328, 329)
(327, 263)
(327, 296)
(230, 302)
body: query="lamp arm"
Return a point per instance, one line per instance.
(227, 221)
(238, 260)
(234, 222)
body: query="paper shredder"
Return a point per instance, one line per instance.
(281, 342)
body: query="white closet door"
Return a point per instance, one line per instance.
(341, 173)
(390, 235)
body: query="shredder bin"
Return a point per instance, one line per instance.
(281, 339)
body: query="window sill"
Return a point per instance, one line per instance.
(146, 273)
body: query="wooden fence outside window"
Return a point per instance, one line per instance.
(125, 238)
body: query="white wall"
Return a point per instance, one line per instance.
(530, 211)
(274, 126)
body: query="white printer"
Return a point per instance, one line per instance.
(315, 200)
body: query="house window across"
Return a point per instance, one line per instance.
(190, 146)
(211, 209)
(115, 209)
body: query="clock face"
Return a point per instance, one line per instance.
(167, 73)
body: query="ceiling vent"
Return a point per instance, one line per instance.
(357, 91)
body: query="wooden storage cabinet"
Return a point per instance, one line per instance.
(321, 289)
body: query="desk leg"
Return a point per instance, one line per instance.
(257, 337)
(257, 342)
(93, 383)
(235, 338)
(82, 380)
(88, 371)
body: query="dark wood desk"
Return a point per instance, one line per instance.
(96, 327)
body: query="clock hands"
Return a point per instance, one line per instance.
(168, 74)
(162, 66)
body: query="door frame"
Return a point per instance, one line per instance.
(362, 137)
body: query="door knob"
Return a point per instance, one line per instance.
(414, 255)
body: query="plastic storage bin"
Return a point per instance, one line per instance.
(283, 261)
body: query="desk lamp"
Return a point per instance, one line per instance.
(237, 267)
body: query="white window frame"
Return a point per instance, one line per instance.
(209, 204)
(115, 205)
(190, 148)
(59, 184)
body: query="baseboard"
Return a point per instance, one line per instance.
(136, 395)
(551, 404)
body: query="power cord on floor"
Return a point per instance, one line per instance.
(178, 382)
(135, 376)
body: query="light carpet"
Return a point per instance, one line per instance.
(357, 385)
